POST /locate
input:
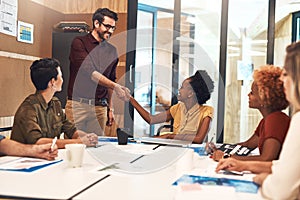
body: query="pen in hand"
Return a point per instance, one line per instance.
(53, 143)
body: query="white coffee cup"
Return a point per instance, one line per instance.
(186, 161)
(74, 154)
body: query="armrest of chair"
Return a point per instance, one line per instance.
(5, 129)
(162, 127)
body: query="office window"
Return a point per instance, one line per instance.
(198, 43)
(246, 51)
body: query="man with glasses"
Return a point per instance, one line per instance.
(93, 63)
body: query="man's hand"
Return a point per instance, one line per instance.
(89, 139)
(110, 117)
(127, 94)
(122, 92)
(44, 151)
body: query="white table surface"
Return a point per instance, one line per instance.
(158, 185)
(86, 183)
(56, 181)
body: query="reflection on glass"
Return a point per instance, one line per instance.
(246, 50)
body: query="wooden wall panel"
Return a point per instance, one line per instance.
(15, 83)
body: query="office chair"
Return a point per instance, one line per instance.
(169, 126)
(5, 129)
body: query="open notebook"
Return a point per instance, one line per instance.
(162, 141)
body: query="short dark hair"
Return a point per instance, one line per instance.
(42, 71)
(101, 12)
(202, 85)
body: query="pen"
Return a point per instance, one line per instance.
(211, 139)
(53, 143)
(210, 146)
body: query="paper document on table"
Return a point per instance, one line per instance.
(239, 185)
(24, 164)
(195, 190)
(163, 141)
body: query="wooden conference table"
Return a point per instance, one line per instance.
(149, 176)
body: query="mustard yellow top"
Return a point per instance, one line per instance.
(187, 121)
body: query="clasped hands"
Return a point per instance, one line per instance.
(122, 92)
(89, 139)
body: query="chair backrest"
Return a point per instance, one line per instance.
(5, 129)
(170, 126)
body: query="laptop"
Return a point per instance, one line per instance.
(163, 141)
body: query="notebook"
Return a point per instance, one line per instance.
(239, 185)
(24, 164)
(163, 141)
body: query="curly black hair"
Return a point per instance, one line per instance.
(202, 85)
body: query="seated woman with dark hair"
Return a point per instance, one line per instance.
(191, 118)
(266, 95)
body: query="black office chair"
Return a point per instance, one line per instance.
(170, 126)
(165, 126)
(5, 129)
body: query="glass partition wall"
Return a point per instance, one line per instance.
(199, 42)
(246, 51)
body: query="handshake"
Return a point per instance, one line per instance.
(122, 92)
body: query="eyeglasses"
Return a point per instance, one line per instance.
(108, 27)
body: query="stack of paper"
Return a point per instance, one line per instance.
(24, 164)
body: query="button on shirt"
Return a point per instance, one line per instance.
(36, 119)
(187, 121)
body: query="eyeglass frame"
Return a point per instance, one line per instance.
(108, 26)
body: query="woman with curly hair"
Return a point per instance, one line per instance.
(266, 95)
(191, 118)
(271, 174)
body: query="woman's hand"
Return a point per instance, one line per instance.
(260, 178)
(231, 164)
(217, 155)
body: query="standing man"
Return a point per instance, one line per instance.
(93, 63)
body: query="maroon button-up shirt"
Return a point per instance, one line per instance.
(88, 55)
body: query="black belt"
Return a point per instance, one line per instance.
(97, 102)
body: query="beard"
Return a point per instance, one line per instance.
(102, 35)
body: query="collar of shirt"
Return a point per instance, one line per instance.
(42, 101)
(92, 39)
(192, 110)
